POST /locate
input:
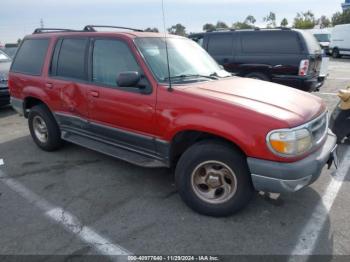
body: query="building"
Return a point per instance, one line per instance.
(346, 5)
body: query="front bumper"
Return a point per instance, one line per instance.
(276, 177)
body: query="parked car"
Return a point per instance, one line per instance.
(10, 51)
(340, 41)
(285, 56)
(323, 36)
(226, 136)
(5, 62)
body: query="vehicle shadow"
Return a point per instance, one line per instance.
(140, 209)
(6, 111)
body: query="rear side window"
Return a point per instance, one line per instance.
(30, 57)
(71, 60)
(220, 44)
(270, 42)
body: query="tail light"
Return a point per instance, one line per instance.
(304, 67)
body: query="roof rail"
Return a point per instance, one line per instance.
(52, 30)
(272, 28)
(220, 29)
(91, 28)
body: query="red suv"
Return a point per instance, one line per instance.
(113, 92)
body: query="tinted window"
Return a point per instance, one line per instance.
(31, 56)
(311, 42)
(278, 42)
(111, 57)
(220, 44)
(71, 60)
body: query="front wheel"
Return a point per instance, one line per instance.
(213, 179)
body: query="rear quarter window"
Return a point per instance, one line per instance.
(30, 57)
(270, 42)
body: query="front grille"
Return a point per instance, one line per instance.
(319, 127)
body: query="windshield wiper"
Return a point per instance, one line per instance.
(212, 76)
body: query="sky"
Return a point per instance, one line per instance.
(20, 17)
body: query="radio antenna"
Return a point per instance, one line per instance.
(166, 49)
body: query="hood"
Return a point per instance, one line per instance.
(294, 107)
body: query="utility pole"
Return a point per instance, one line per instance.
(41, 23)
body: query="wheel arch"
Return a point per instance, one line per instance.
(184, 139)
(29, 102)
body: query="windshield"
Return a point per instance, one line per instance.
(323, 37)
(4, 57)
(186, 59)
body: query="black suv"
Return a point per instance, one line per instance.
(5, 63)
(285, 56)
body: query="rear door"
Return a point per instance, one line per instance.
(68, 75)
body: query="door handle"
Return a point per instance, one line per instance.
(49, 85)
(94, 93)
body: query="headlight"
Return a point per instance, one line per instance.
(290, 143)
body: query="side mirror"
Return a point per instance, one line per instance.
(128, 79)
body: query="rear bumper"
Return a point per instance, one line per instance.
(17, 105)
(308, 84)
(279, 177)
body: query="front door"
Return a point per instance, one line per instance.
(122, 115)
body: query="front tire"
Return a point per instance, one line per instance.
(44, 129)
(213, 179)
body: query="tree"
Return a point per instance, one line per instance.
(221, 25)
(242, 25)
(154, 29)
(177, 29)
(324, 22)
(305, 20)
(248, 23)
(250, 20)
(209, 27)
(270, 19)
(284, 22)
(341, 18)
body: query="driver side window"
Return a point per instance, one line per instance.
(110, 58)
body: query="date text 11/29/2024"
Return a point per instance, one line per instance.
(173, 258)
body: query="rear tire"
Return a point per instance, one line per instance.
(336, 53)
(213, 179)
(44, 128)
(259, 76)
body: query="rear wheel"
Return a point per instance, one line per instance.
(259, 76)
(213, 179)
(336, 53)
(44, 129)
